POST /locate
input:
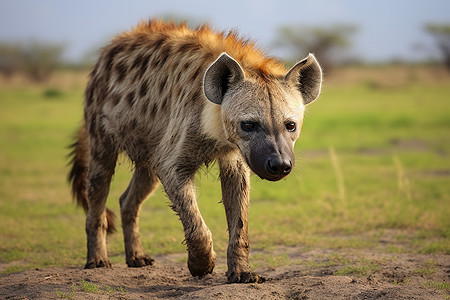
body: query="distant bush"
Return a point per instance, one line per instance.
(9, 59)
(52, 93)
(34, 59)
(441, 34)
(328, 43)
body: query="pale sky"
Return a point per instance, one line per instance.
(388, 28)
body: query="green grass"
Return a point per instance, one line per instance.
(363, 268)
(269, 260)
(368, 160)
(438, 285)
(68, 295)
(89, 287)
(428, 268)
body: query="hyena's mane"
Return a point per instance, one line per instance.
(252, 58)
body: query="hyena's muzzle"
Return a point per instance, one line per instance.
(271, 157)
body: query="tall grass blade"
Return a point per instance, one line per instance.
(339, 177)
(402, 180)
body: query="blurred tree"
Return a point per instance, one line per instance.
(327, 43)
(9, 59)
(40, 59)
(35, 59)
(441, 33)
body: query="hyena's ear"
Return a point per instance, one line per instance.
(306, 75)
(220, 75)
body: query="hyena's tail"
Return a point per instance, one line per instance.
(77, 178)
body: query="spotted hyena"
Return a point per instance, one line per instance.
(174, 99)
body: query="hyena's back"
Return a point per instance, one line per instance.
(147, 84)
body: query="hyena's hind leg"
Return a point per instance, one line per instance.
(102, 162)
(144, 181)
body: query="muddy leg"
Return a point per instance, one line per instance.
(101, 168)
(143, 183)
(234, 176)
(198, 238)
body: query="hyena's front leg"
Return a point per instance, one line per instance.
(143, 183)
(235, 181)
(101, 169)
(198, 238)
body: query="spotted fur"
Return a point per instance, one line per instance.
(174, 99)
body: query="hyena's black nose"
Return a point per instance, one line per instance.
(278, 166)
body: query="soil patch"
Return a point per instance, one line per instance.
(315, 274)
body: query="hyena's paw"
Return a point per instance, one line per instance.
(101, 263)
(201, 265)
(244, 277)
(140, 261)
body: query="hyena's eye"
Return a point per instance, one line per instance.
(290, 126)
(249, 126)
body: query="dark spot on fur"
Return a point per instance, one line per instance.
(110, 57)
(121, 71)
(144, 65)
(133, 124)
(187, 65)
(197, 95)
(137, 61)
(186, 104)
(159, 41)
(162, 84)
(162, 56)
(190, 46)
(185, 47)
(144, 108)
(138, 42)
(154, 110)
(131, 98)
(115, 99)
(143, 89)
(178, 78)
(132, 47)
(156, 63)
(165, 53)
(197, 72)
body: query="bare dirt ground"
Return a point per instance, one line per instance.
(370, 274)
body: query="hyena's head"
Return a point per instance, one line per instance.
(263, 117)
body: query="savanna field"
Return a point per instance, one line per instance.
(372, 172)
